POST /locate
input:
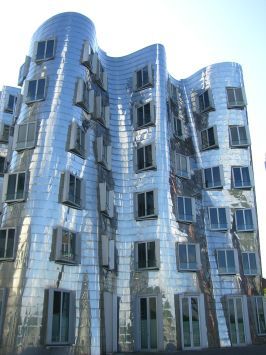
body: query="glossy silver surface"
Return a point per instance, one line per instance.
(32, 271)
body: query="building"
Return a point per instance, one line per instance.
(128, 209)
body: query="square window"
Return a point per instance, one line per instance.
(209, 138)
(146, 204)
(25, 136)
(241, 177)
(73, 193)
(147, 255)
(188, 256)
(219, 218)
(226, 260)
(235, 97)
(67, 246)
(61, 316)
(182, 166)
(245, 220)
(77, 140)
(143, 78)
(45, 50)
(205, 101)
(14, 187)
(186, 209)
(249, 260)
(213, 177)
(85, 98)
(145, 157)
(7, 243)
(35, 90)
(144, 115)
(239, 136)
(260, 313)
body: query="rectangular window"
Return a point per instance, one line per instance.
(3, 297)
(237, 319)
(10, 103)
(145, 157)
(45, 50)
(72, 190)
(77, 140)
(219, 218)
(108, 252)
(25, 136)
(4, 132)
(226, 260)
(182, 166)
(24, 70)
(239, 136)
(7, 244)
(235, 97)
(14, 187)
(143, 78)
(106, 200)
(146, 204)
(147, 255)
(60, 317)
(67, 246)
(102, 112)
(104, 153)
(260, 312)
(2, 165)
(186, 209)
(35, 90)
(144, 115)
(173, 93)
(244, 220)
(213, 177)
(249, 260)
(177, 126)
(87, 55)
(209, 138)
(241, 177)
(205, 101)
(188, 257)
(85, 98)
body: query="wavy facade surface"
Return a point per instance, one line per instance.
(128, 208)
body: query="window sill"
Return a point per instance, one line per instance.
(146, 169)
(146, 86)
(146, 218)
(150, 124)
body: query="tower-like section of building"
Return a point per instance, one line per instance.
(128, 217)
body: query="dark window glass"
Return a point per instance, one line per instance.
(140, 158)
(68, 245)
(40, 50)
(147, 113)
(145, 77)
(50, 49)
(21, 185)
(22, 133)
(142, 255)
(11, 103)
(31, 90)
(230, 261)
(221, 261)
(211, 136)
(192, 260)
(151, 254)
(141, 205)
(150, 203)
(40, 89)
(139, 78)
(182, 254)
(2, 165)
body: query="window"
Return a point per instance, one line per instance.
(188, 256)
(144, 115)
(235, 97)
(14, 187)
(249, 260)
(72, 194)
(45, 50)
(108, 253)
(182, 166)
(4, 132)
(143, 78)
(61, 316)
(241, 177)
(209, 138)
(177, 126)
(35, 90)
(102, 113)
(23, 71)
(238, 320)
(77, 140)
(173, 93)
(84, 97)
(3, 297)
(219, 218)
(106, 200)
(245, 220)
(205, 101)
(7, 244)
(147, 255)
(146, 204)
(25, 136)
(226, 260)
(10, 103)
(2, 165)
(239, 136)
(104, 153)
(260, 312)
(67, 246)
(145, 157)
(186, 209)
(213, 177)
(88, 58)
(101, 76)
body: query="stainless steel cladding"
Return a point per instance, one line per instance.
(128, 217)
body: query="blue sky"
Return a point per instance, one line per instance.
(195, 33)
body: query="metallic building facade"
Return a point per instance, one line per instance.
(128, 217)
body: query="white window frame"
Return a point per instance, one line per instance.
(45, 57)
(148, 84)
(10, 258)
(4, 132)
(255, 303)
(193, 208)
(5, 187)
(29, 100)
(186, 174)
(226, 271)
(58, 236)
(71, 316)
(106, 200)
(84, 98)
(108, 252)
(153, 157)
(239, 144)
(206, 107)
(219, 227)
(236, 104)
(65, 199)
(77, 141)
(155, 205)
(249, 273)
(102, 112)
(26, 144)
(219, 186)
(241, 174)
(104, 153)
(197, 254)
(157, 255)
(253, 220)
(152, 114)
(208, 146)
